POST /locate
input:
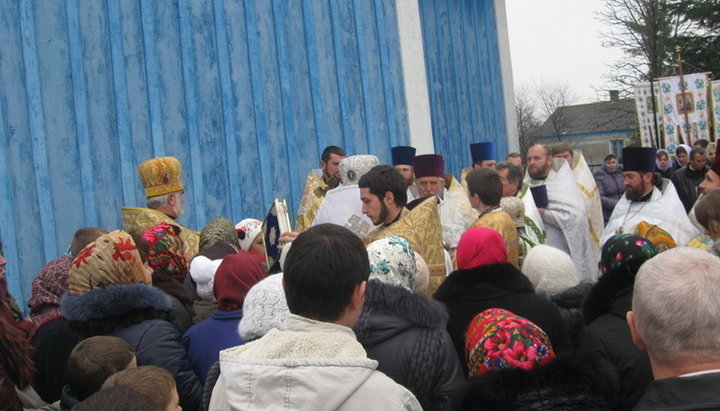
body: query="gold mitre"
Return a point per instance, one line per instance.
(161, 175)
(421, 227)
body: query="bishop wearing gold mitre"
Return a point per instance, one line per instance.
(384, 198)
(162, 178)
(319, 182)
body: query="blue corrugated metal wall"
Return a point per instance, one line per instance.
(464, 77)
(245, 93)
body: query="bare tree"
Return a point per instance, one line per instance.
(552, 97)
(526, 118)
(647, 32)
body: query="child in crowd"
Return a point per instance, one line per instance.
(90, 363)
(117, 399)
(150, 381)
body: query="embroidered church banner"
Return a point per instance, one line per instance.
(716, 105)
(644, 109)
(677, 105)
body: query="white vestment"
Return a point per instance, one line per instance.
(664, 209)
(566, 221)
(342, 206)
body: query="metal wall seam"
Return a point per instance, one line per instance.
(226, 95)
(37, 131)
(190, 92)
(453, 150)
(147, 20)
(8, 231)
(122, 115)
(258, 104)
(289, 131)
(482, 126)
(347, 137)
(441, 133)
(314, 72)
(365, 70)
(385, 69)
(81, 112)
(473, 106)
(495, 70)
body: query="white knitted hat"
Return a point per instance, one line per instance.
(247, 230)
(264, 308)
(550, 270)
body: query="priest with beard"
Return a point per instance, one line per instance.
(565, 216)
(648, 198)
(164, 190)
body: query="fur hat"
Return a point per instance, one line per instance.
(264, 308)
(160, 176)
(498, 339)
(550, 270)
(392, 261)
(112, 259)
(247, 230)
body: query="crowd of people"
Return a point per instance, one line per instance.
(529, 283)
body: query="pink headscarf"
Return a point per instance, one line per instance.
(480, 246)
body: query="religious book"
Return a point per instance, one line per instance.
(276, 223)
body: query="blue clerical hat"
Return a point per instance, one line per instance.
(482, 151)
(402, 155)
(640, 159)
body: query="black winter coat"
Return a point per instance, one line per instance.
(607, 337)
(566, 383)
(128, 309)
(611, 188)
(53, 343)
(686, 182)
(469, 292)
(405, 333)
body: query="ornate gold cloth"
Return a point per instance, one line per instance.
(313, 196)
(501, 222)
(136, 219)
(421, 227)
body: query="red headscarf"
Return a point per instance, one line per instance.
(480, 246)
(233, 279)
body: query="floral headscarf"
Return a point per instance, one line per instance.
(392, 261)
(166, 250)
(112, 259)
(627, 251)
(498, 339)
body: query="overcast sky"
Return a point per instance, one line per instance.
(558, 40)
